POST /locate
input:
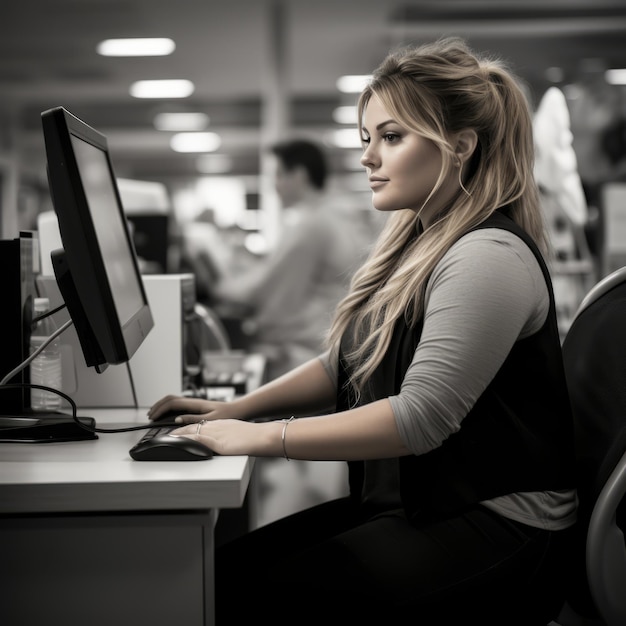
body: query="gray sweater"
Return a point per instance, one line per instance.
(486, 293)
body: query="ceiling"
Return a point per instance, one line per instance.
(262, 68)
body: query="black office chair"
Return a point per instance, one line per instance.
(594, 352)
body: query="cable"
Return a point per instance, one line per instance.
(74, 411)
(48, 314)
(4, 384)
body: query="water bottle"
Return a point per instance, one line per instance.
(45, 368)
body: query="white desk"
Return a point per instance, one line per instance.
(91, 537)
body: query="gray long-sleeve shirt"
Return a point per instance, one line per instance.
(486, 293)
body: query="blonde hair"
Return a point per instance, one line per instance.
(434, 90)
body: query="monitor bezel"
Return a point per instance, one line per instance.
(96, 313)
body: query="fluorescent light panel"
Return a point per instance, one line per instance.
(353, 83)
(136, 47)
(616, 77)
(178, 88)
(345, 115)
(345, 138)
(181, 121)
(195, 142)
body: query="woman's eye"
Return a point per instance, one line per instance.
(365, 140)
(391, 137)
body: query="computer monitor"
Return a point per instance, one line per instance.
(97, 269)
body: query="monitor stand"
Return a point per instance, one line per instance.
(44, 427)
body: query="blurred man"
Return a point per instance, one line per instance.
(292, 294)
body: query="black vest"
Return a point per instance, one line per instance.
(517, 437)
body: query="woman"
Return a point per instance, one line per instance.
(445, 378)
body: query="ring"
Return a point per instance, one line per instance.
(200, 424)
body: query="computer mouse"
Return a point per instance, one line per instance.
(169, 418)
(165, 447)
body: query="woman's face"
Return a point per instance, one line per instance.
(402, 166)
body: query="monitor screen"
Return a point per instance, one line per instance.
(97, 269)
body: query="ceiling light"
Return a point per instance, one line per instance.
(615, 77)
(137, 47)
(181, 121)
(345, 115)
(345, 138)
(353, 83)
(195, 142)
(162, 89)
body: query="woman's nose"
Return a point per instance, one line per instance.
(367, 158)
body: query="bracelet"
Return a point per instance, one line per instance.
(285, 424)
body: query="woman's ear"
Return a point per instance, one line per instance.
(466, 141)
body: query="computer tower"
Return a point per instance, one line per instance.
(157, 368)
(17, 258)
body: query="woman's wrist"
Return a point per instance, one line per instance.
(268, 440)
(283, 436)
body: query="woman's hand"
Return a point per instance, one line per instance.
(234, 436)
(192, 410)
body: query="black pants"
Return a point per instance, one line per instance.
(327, 565)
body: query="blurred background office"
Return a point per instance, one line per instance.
(286, 299)
(196, 173)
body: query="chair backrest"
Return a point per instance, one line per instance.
(613, 199)
(606, 551)
(594, 353)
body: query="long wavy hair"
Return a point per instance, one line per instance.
(435, 90)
